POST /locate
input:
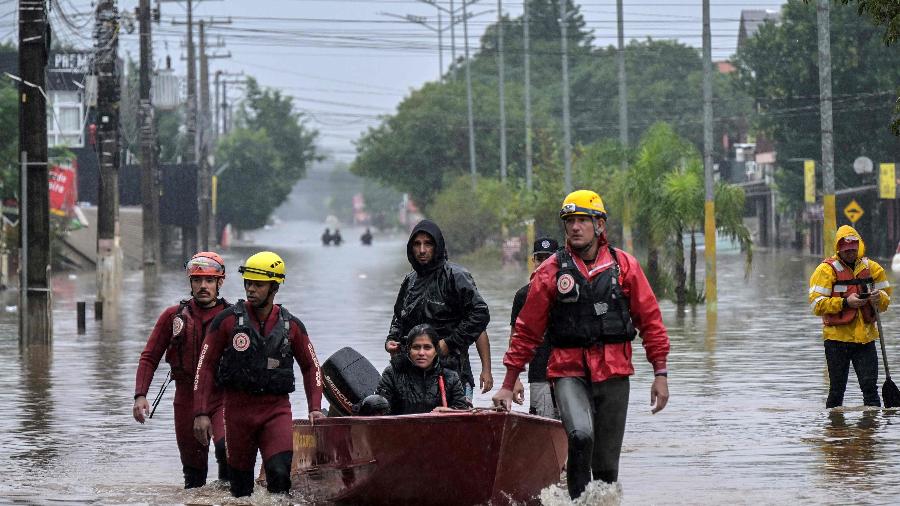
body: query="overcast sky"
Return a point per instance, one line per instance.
(348, 61)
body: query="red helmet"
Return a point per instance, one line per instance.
(205, 263)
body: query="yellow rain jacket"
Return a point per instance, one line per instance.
(823, 299)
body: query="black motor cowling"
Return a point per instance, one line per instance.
(348, 378)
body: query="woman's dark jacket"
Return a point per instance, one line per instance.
(409, 389)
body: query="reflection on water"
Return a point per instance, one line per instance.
(745, 423)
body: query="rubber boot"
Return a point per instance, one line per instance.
(241, 482)
(193, 477)
(578, 467)
(278, 472)
(221, 459)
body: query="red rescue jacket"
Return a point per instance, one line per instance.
(597, 362)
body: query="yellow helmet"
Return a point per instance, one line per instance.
(584, 203)
(263, 266)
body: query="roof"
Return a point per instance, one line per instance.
(752, 19)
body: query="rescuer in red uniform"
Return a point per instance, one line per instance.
(178, 334)
(591, 300)
(250, 350)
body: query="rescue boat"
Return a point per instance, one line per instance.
(471, 457)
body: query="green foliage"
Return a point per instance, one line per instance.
(667, 179)
(266, 155)
(9, 140)
(468, 219)
(779, 67)
(884, 13)
(249, 190)
(425, 144)
(382, 203)
(267, 109)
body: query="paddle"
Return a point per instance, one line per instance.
(169, 378)
(889, 392)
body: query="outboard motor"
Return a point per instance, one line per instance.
(348, 379)
(373, 405)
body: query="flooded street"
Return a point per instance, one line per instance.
(745, 423)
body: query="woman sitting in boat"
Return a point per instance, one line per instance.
(415, 382)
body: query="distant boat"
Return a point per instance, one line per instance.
(473, 457)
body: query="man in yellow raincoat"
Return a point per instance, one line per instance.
(846, 290)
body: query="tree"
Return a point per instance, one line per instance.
(9, 141)
(267, 154)
(884, 13)
(425, 144)
(667, 180)
(267, 109)
(248, 189)
(9, 125)
(779, 67)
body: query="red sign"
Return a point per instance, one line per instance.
(63, 192)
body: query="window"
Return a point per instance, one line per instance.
(65, 118)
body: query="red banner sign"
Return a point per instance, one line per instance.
(63, 191)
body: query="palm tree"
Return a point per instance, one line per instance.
(683, 194)
(659, 153)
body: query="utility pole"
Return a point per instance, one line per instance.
(109, 253)
(226, 106)
(149, 167)
(829, 224)
(440, 32)
(216, 107)
(453, 38)
(206, 227)
(502, 87)
(567, 136)
(528, 134)
(189, 234)
(203, 177)
(623, 121)
(472, 164)
(710, 204)
(35, 324)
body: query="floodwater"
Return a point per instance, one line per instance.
(745, 423)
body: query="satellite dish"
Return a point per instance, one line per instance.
(863, 165)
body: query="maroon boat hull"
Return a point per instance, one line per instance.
(460, 459)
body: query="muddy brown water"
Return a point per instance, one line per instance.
(746, 422)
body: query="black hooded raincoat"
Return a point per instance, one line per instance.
(444, 295)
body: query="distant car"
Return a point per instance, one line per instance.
(895, 263)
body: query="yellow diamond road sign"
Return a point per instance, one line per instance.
(853, 212)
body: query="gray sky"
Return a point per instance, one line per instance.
(345, 62)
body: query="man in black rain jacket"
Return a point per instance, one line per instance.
(442, 294)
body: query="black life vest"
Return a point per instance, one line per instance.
(257, 364)
(184, 347)
(585, 313)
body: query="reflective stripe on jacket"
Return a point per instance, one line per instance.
(825, 300)
(847, 283)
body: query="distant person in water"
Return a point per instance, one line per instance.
(336, 237)
(415, 381)
(366, 238)
(326, 237)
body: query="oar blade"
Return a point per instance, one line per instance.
(890, 394)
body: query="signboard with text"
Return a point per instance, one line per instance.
(809, 181)
(887, 181)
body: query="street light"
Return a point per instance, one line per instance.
(455, 19)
